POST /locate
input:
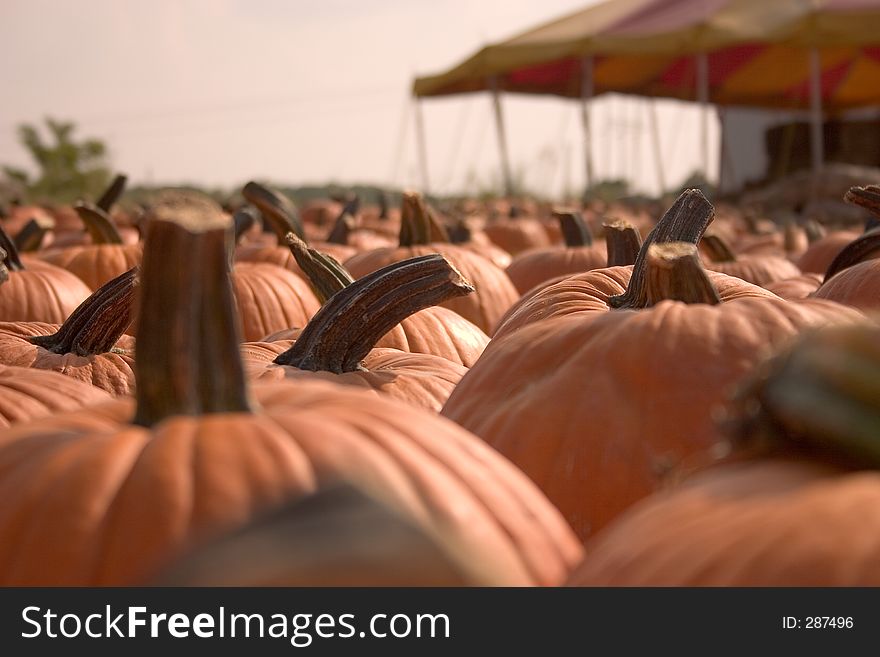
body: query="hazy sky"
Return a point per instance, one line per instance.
(300, 91)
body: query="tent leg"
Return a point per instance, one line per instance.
(422, 147)
(817, 146)
(655, 141)
(703, 99)
(502, 138)
(586, 95)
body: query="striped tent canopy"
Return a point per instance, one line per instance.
(757, 53)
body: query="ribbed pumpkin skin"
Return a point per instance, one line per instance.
(422, 380)
(595, 407)
(822, 252)
(589, 292)
(435, 330)
(857, 286)
(517, 235)
(271, 299)
(281, 255)
(112, 372)
(758, 270)
(124, 500)
(40, 293)
(535, 266)
(28, 394)
(494, 291)
(798, 287)
(95, 264)
(768, 523)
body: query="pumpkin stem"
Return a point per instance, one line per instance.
(278, 210)
(31, 236)
(187, 354)
(575, 231)
(383, 204)
(10, 252)
(243, 220)
(418, 225)
(343, 331)
(865, 197)
(326, 274)
(4, 272)
(622, 243)
(344, 224)
(112, 193)
(859, 250)
(98, 322)
(790, 236)
(685, 221)
(675, 273)
(814, 230)
(717, 248)
(822, 396)
(98, 224)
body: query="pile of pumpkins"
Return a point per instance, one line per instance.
(485, 396)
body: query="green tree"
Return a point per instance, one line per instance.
(68, 169)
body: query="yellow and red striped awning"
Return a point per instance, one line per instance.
(758, 53)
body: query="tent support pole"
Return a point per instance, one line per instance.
(422, 146)
(655, 142)
(502, 137)
(817, 146)
(586, 94)
(703, 99)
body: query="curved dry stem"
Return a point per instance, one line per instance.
(98, 224)
(718, 249)
(243, 220)
(278, 210)
(326, 275)
(10, 253)
(418, 224)
(863, 248)
(622, 243)
(685, 221)
(112, 193)
(98, 322)
(30, 237)
(346, 328)
(187, 360)
(575, 231)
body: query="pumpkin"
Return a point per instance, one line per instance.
(198, 454)
(336, 537)
(579, 254)
(757, 269)
(39, 292)
(821, 253)
(271, 299)
(104, 259)
(603, 391)
(432, 330)
(517, 234)
(338, 344)
(494, 292)
(28, 394)
(797, 502)
(797, 287)
(89, 346)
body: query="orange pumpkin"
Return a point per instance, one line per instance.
(198, 454)
(27, 394)
(798, 503)
(338, 344)
(89, 346)
(757, 269)
(494, 292)
(595, 404)
(37, 293)
(534, 266)
(271, 299)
